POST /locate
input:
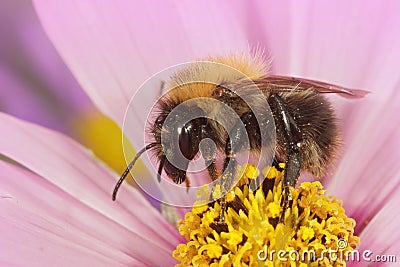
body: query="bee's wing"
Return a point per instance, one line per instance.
(277, 83)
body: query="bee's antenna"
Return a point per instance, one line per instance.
(160, 168)
(130, 166)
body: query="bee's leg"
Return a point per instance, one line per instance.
(229, 171)
(236, 141)
(212, 170)
(211, 167)
(187, 183)
(208, 152)
(215, 174)
(294, 139)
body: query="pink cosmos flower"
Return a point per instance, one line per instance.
(57, 210)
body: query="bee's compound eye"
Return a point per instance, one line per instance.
(185, 141)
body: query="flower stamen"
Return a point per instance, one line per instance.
(251, 234)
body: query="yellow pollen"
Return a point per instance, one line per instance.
(233, 238)
(251, 171)
(217, 192)
(212, 250)
(230, 196)
(252, 235)
(274, 209)
(199, 207)
(270, 172)
(306, 233)
(203, 191)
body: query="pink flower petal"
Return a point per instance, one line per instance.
(41, 225)
(369, 171)
(114, 46)
(36, 84)
(74, 170)
(381, 235)
(353, 44)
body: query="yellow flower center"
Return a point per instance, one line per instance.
(103, 136)
(315, 232)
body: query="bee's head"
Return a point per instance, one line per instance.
(178, 134)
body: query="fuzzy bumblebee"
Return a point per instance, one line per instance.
(306, 128)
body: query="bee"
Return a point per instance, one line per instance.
(307, 135)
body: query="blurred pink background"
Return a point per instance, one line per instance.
(35, 83)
